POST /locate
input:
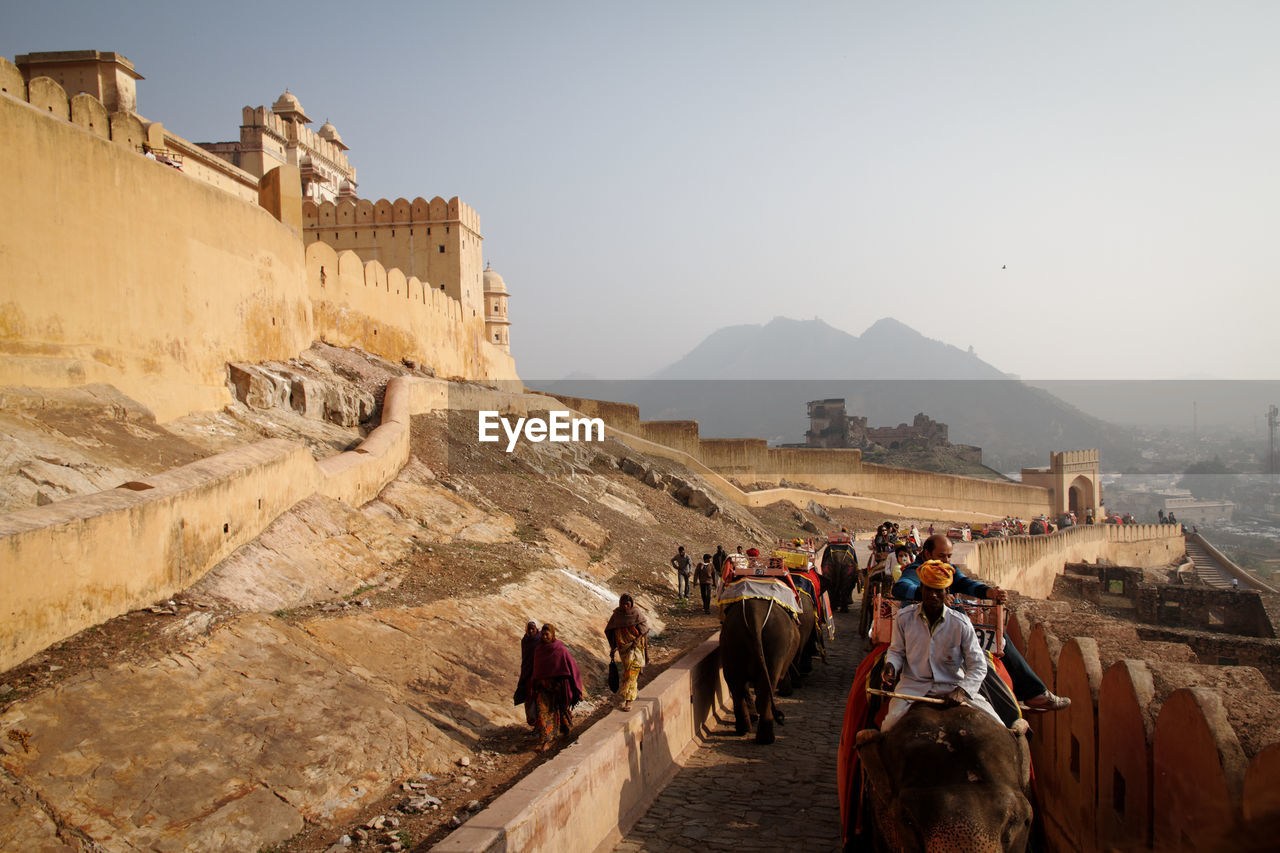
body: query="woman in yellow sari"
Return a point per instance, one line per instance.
(628, 632)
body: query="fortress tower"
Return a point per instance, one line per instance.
(497, 327)
(436, 241)
(269, 138)
(107, 76)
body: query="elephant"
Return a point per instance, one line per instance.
(758, 641)
(948, 779)
(802, 664)
(840, 575)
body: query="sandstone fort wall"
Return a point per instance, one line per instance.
(1029, 564)
(358, 304)
(1155, 751)
(436, 241)
(122, 270)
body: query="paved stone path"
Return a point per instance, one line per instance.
(734, 795)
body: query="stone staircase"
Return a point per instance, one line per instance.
(1208, 569)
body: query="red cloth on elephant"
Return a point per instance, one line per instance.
(856, 718)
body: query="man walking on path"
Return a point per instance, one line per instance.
(703, 576)
(717, 560)
(684, 568)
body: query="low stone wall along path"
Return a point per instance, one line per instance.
(733, 795)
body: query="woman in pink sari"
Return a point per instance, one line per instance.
(557, 686)
(628, 633)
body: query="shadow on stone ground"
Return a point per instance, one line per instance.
(734, 795)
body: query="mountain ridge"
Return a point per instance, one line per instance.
(785, 348)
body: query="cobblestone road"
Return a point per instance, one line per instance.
(734, 795)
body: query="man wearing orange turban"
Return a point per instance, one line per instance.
(934, 649)
(1027, 686)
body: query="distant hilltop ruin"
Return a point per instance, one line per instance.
(831, 426)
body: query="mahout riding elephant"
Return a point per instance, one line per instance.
(802, 664)
(840, 575)
(948, 779)
(758, 641)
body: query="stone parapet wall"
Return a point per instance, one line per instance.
(79, 562)
(383, 212)
(1154, 751)
(583, 799)
(124, 271)
(1030, 564)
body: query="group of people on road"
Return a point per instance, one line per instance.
(934, 649)
(550, 683)
(705, 573)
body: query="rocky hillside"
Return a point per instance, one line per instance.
(350, 662)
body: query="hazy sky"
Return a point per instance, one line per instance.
(647, 173)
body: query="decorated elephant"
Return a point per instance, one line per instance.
(948, 779)
(802, 664)
(758, 641)
(840, 575)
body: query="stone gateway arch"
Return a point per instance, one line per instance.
(1072, 479)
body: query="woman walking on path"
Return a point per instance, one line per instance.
(628, 632)
(528, 645)
(557, 686)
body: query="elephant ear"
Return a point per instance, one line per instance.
(1023, 760)
(870, 743)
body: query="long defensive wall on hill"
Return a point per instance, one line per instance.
(875, 487)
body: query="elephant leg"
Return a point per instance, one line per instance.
(789, 681)
(741, 709)
(805, 666)
(764, 730)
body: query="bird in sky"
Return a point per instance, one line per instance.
(1004, 266)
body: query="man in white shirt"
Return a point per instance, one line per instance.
(934, 650)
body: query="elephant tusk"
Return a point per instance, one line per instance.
(930, 699)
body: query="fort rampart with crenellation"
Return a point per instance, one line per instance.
(1167, 745)
(437, 242)
(751, 460)
(125, 271)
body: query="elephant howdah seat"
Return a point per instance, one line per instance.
(987, 619)
(765, 588)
